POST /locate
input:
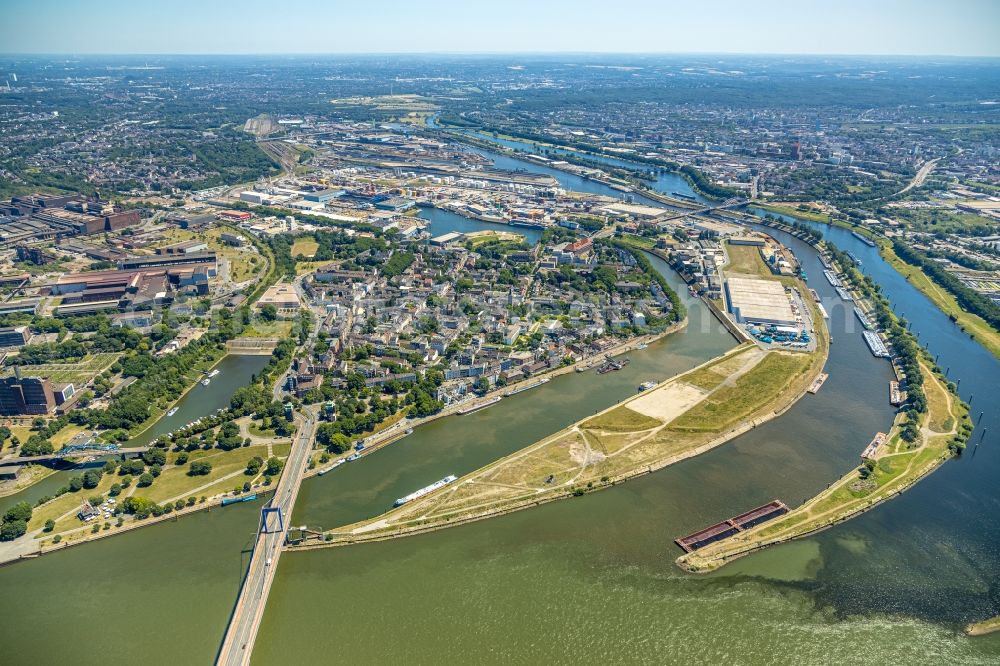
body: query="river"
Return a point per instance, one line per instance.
(234, 372)
(590, 578)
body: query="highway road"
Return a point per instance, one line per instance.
(921, 175)
(237, 645)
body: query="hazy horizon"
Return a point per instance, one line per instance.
(918, 28)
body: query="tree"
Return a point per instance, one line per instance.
(200, 468)
(254, 465)
(50, 525)
(20, 511)
(274, 466)
(268, 312)
(145, 480)
(155, 457)
(91, 478)
(13, 529)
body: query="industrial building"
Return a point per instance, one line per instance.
(759, 301)
(16, 336)
(38, 217)
(323, 195)
(283, 297)
(185, 248)
(27, 395)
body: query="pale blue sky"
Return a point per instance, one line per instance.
(896, 27)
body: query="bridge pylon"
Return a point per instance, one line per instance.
(268, 515)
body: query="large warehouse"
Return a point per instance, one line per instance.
(761, 301)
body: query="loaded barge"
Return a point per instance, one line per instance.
(863, 319)
(844, 294)
(864, 239)
(732, 526)
(875, 344)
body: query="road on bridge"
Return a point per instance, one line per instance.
(242, 631)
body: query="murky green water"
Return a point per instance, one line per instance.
(583, 580)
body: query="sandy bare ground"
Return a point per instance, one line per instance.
(667, 402)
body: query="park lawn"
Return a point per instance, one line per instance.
(280, 328)
(61, 438)
(746, 260)
(794, 211)
(69, 502)
(78, 373)
(893, 473)
(305, 246)
(175, 482)
(973, 324)
(730, 404)
(621, 419)
(22, 432)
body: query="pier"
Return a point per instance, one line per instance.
(818, 383)
(731, 526)
(872, 448)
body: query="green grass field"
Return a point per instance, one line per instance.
(78, 374)
(971, 323)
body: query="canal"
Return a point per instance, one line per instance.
(234, 372)
(590, 578)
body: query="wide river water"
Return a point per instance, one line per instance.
(590, 578)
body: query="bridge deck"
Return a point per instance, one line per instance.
(237, 645)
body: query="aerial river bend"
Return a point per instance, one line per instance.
(590, 578)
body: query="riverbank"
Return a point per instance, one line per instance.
(989, 626)
(977, 327)
(594, 158)
(896, 469)
(397, 431)
(682, 417)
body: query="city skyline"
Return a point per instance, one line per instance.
(965, 28)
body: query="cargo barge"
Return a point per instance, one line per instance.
(236, 500)
(426, 490)
(526, 388)
(732, 526)
(844, 294)
(476, 408)
(875, 344)
(863, 319)
(864, 239)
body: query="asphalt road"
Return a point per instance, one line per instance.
(237, 645)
